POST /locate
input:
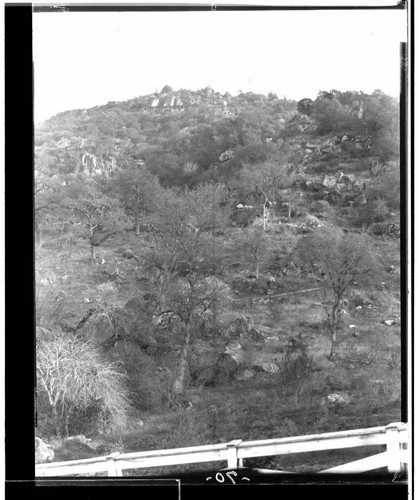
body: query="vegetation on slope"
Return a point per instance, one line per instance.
(229, 264)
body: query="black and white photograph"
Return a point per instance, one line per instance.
(220, 246)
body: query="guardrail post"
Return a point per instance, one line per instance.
(404, 446)
(393, 447)
(233, 461)
(113, 468)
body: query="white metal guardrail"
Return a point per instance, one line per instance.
(394, 436)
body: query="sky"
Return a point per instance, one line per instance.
(86, 59)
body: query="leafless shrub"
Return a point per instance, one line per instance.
(74, 376)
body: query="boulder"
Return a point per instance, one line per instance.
(388, 322)
(360, 200)
(43, 452)
(239, 328)
(80, 439)
(268, 368)
(234, 346)
(341, 187)
(226, 155)
(329, 181)
(260, 285)
(338, 399)
(74, 449)
(321, 206)
(245, 375)
(99, 447)
(242, 284)
(391, 230)
(314, 185)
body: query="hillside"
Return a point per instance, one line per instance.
(233, 262)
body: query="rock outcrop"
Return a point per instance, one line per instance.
(43, 452)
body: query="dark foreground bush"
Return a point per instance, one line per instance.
(148, 385)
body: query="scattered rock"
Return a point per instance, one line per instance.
(43, 452)
(272, 338)
(389, 322)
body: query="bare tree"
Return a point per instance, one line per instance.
(184, 257)
(267, 179)
(253, 247)
(74, 375)
(136, 189)
(189, 299)
(341, 259)
(94, 215)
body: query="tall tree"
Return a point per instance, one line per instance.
(136, 188)
(341, 259)
(183, 259)
(253, 247)
(94, 215)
